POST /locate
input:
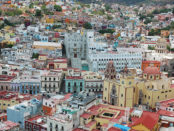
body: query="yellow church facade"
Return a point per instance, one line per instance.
(130, 90)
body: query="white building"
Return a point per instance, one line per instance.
(76, 44)
(51, 48)
(51, 81)
(171, 39)
(60, 122)
(132, 57)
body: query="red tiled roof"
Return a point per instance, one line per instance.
(67, 96)
(148, 62)
(6, 77)
(79, 129)
(166, 113)
(85, 115)
(35, 118)
(114, 129)
(74, 77)
(172, 86)
(90, 123)
(151, 70)
(144, 120)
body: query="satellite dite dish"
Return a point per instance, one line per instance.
(39, 120)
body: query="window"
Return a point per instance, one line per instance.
(62, 128)
(56, 126)
(74, 83)
(113, 91)
(149, 97)
(54, 79)
(158, 97)
(49, 79)
(80, 83)
(121, 95)
(105, 89)
(122, 82)
(80, 89)
(162, 86)
(69, 84)
(130, 82)
(45, 78)
(75, 55)
(121, 105)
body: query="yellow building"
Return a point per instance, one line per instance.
(154, 87)
(49, 20)
(5, 103)
(130, 90)
(43, 57)
(59, 63)
(120, 92)
(47, 45)
(101, 115)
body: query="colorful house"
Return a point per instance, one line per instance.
(74, 84)
(150, 63)
(18, 113)
(148, 121)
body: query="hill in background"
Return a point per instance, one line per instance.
(128, 2)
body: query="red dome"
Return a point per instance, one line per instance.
(151, 70)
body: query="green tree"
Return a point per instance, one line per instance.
(31, 5)
(151, 48)
(107, 7)
(2, 26)
(111, 31)
(43, 7)
(147, 21)
(56, 26)
(155, 11)
(8, 23)
(142, 17)
(38, 13)
(35, 55)
(14, 12)
(109, 17)
(0, 12)
(58, 8)
(168, 47)
(87, 25)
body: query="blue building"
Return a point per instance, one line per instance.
(30, 88)
(122, 127)
(74, 84)
(22, 111)
(24, 87)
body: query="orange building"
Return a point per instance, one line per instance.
(165, 33)
(48, 110)
(3, 117)
(150, 63)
